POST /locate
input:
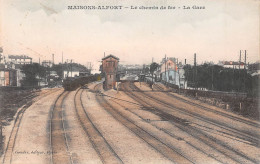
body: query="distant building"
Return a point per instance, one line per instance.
(231, 64)
(20, 59)
(130, 69)
(47, 63)
(19, 74)
(110, 68)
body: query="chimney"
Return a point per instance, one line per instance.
(52, 58)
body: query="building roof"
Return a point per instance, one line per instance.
(106, 57)
(19, 57)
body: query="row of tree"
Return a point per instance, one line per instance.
(214, 77)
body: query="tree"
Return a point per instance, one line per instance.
(153, 67)
(32, 72)
(59, 69)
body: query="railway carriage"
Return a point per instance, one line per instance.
(72, 83)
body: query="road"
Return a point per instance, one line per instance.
(133, 125)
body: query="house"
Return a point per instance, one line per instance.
(7, 76)
(110, 69)
(47, 63)
(169, 71)
(20, 59)
(231, 64)
(172, 72)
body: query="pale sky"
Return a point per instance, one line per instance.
(40, 28)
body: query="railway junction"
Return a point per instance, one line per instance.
(133, 124)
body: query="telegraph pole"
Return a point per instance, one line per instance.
(233, 77)
(165, 71)
(179, 78)
(245, 73)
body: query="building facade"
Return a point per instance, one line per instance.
(20, 59)
(172, 73)
(110, 69)
(7, 76)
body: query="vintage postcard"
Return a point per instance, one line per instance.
(129, 81)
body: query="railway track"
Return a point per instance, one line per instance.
(235, 155)
(12, 138)
(248, 122)
(58, 139)
(171, 134)
(99, 143)
(160, 146)
(248, 136)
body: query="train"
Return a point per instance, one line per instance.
(72, 83)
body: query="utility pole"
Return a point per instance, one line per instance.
(168, 70)
(212, 87)
(195, 72)
(175, 70)
(179, 77)
(245, 73)
(233, 77)
(71, 67)
(239, 86)
(165, 71)
(184, 85)
(245, 61)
